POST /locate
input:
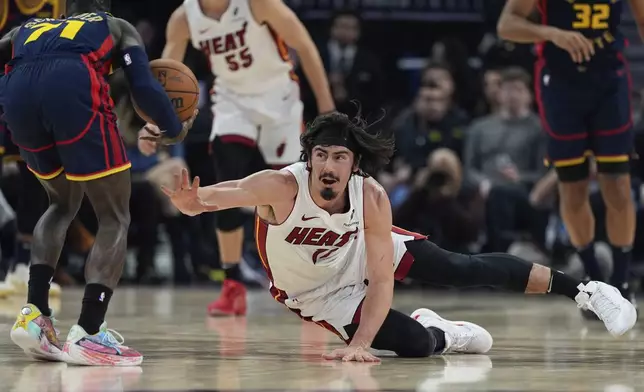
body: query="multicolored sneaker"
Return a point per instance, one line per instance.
(36, 335)
(231, 301)
(101, 349)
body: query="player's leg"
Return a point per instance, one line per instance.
(612, 136)
(32, 203)
(425, 333)
(429, 263)
(92, 152)
(234, 151)
(34, 330)
(563, 107)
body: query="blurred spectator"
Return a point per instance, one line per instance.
(443, 205)
(504, 153)
(508, 147)
(429, 123)
(490, 102)
(354, 72)
(452, 52)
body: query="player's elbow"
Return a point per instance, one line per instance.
(503, 28)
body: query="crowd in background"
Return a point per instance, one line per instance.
(469, 166)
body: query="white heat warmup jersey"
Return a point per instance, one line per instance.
(246, 57)
(313, 253)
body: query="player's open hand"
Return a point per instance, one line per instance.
(185, 196)
(576, 44)
(352, 353)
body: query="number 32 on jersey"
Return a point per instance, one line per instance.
(591, 16)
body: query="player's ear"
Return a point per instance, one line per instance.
(356, 164)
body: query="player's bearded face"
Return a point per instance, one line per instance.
(331, 169)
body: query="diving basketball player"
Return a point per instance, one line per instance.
(583, 88)
(324, 232)
(257, 107)
(56, 102)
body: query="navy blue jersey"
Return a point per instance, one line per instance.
(597, 20)
(86, 35)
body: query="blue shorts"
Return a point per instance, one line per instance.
(61, 117)
(586, 114)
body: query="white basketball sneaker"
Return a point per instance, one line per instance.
(460, 336)
(19, 279)
(618, 313)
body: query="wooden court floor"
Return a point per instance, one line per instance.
(540, 345)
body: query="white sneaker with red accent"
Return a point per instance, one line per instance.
(460, 336)
(101, 349)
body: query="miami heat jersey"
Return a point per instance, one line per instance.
(313, 253)
(245, 57)
(597, 20)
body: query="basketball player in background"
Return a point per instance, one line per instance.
(583, 91)
(325, 236)
(56, 101)
(256, 101)
(32, 199)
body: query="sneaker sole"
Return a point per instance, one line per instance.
(31, 346)
(71, 352)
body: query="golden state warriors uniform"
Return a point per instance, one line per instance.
(13, 13)
(60, 112)
(585, 107)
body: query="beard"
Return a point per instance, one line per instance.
(328, 194)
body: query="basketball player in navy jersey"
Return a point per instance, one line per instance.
(56, 101)
(32, 199)
(583, 90)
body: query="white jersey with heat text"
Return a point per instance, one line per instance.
(246, 57)
(316, 261)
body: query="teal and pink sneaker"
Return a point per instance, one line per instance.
(36, 334)
(101, 349)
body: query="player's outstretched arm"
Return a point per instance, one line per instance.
(266, 188)
(288, 26)
(177, 36)
(380, 259)
(146, 90)
(514, 26)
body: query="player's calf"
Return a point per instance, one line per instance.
(620, 223)
(437, 266)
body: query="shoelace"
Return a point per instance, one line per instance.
(605, 307)
(110, 337)
(462, 338)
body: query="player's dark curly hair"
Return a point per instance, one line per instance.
(372, 150)
(82, 6)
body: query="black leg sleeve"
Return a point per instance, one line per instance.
(440, 267)
(404, 336)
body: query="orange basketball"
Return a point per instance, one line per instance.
(179, 83)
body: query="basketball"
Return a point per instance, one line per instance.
(179, 83)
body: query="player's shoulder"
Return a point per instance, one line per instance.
(373, 194)
(283, 180)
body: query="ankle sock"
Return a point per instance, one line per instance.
(95, 302)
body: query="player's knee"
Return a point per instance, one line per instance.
(616, 191)
(574, 173)
(573, 195)
(230, 220)
(417, 342)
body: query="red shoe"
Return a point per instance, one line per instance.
(231, 302)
